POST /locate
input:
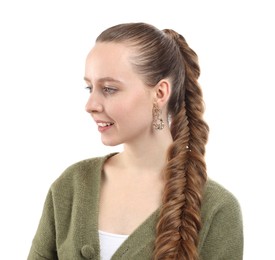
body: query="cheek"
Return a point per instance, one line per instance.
(138, 110)
(130, 108)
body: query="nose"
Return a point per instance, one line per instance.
(94, 104)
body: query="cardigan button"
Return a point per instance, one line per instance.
(87, 252)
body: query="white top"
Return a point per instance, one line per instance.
(109, 243)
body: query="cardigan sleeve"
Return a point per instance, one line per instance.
(224, 239)
(43, 244)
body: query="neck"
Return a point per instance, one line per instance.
(148, 155)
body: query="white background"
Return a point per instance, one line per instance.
(44, 128)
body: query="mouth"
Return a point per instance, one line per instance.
(104, 124)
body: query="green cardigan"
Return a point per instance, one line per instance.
(68, 228)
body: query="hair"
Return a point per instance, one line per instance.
(163, 54)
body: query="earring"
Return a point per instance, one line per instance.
(157, 120)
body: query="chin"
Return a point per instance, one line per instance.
(110, 142)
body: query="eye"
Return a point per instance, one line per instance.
(90, 88)
(109, 90)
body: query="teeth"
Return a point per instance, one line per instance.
(104, 124)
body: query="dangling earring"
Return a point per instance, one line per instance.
(157, 120)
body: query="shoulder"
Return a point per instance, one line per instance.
(219, 206)
(217, 196)
(220, 210)
(222, 231)
(83, 172)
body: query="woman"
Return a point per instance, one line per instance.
(153, 200)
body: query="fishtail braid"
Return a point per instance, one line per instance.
(179, 224)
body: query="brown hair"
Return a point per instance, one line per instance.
(165, 54)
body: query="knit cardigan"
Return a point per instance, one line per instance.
(68, 228)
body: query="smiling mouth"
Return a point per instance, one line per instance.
(104, 124)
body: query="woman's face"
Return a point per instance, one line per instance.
(120, 103)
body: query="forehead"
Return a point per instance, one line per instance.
(109, 52)
(108, 59)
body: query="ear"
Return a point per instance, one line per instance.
(162, 92)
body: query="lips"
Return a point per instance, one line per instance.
(101, 124)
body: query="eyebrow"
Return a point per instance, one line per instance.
(110, 79)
